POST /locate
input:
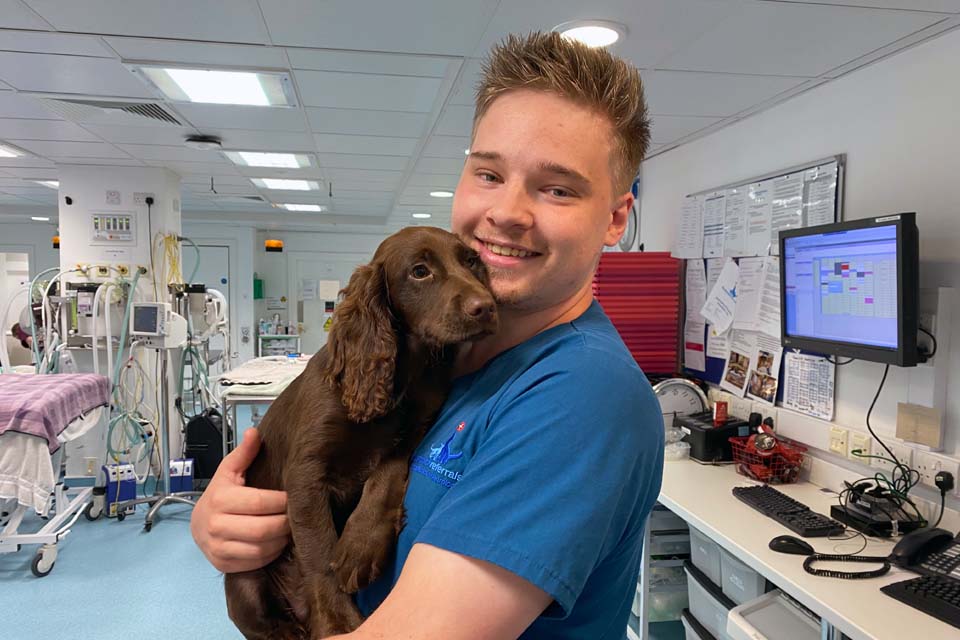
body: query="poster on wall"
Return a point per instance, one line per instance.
(763, 378)
(743, 346)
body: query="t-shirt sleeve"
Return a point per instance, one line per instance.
(567, 460)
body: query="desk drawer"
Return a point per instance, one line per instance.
(669, 544)
(738, 581)
(772, 616)
(662, 519)
(707, 602)
(705, 554)
(692, 628)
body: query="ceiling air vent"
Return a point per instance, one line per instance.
(92, 111)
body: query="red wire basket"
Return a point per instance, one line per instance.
(779, 465)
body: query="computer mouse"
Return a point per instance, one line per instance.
(791, 544)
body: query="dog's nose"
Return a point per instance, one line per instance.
(478, 307)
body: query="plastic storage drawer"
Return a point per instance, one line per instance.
(666, 572)
(662, 519)
(692, 628)
(772, 616)
(707, 602)
(669, 544)
(738, 581)
(705, 554)
(666, 603)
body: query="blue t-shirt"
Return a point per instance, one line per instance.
(545, 462)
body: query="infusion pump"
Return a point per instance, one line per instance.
(157, 326)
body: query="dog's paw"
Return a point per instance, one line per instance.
(357, 562)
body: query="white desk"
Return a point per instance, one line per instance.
(702, 496)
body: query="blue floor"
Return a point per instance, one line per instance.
(113, 580)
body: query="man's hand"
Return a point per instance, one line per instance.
(240, 528)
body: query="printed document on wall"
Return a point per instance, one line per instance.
(735, 223)
(787, 209)
(693, 347)
(689, 232)
(721, 302)
(743, 345)
(696, 286)
(765, 369)
(748, 293)
(820, 186)
(714, 211)
(768, 316)
(714, 267)
(759, 212)
(808, 384)
(718, 346)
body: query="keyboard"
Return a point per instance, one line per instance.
(937, 596)
(792, 514)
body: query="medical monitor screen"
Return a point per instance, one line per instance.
(145, 318)
(854, 285)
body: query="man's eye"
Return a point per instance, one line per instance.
(420, 271)
(487, 177)
(559, 192)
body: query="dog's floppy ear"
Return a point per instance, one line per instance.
(362, 347)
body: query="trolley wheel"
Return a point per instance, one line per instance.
(43, 562)
(121, 516)
(92, 512)
(147, 526)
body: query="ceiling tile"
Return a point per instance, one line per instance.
(370, 145)
(686, 93)
(347, 185)
(666, 129)
(456, 120)
(31, 173)
(183, 19)
(440, 181)
(359, 175)
(451, 166)
(810, 39)
(655, 28)
(118, 162)
(368, 62)
(356, 161)
(399, 124)
(452, 147)
(170, 136)
(59, 43)
(15, 15)
(241, 117)
(180, 153)
(367, 91)
(202, 53)
(56, 149)
(440, 26)
(69, 74)
(240, 140)
(23, 129)
(947, 6)
(464, 92)
(220, 178)
(181, 168)
(309, 173)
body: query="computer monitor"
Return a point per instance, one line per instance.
(851, 289)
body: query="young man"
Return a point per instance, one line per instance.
(527, 499)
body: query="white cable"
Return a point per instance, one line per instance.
(96, 336)
(4, 354)
(109, 328)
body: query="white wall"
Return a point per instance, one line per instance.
(33, 238)
(898, 122)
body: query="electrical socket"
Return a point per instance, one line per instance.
(122, 269)
(930, 464)
(861, 441)
(101, 270)
(903, 452)
(838, 440)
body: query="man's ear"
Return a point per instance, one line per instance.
(618, 219)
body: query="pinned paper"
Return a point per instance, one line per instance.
(808, 384)
(764, 376)
(721, 303)
(743, 345)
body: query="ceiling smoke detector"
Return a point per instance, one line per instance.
(203, 143)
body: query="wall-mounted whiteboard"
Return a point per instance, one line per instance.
(744, 219)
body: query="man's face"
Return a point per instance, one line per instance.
(536, 198)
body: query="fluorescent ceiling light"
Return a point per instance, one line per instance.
(39, 219)
(214, 86)
(593, 33)
(421, 215)
(274, 160)
(441, 194)
(7, 151)
(285, 185)
(303, 207)
(53, 184)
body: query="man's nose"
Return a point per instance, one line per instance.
(511, 208)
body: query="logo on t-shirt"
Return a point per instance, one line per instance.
(441, 453)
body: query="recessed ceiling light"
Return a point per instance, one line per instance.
(421, 215)
(286, 185)
(53, 184)
(593, 33)
(203, 143)
(466, 152)
(39, 219)
(441, 194)
(274, 160)
(8, 151)
(214, 86)
(304, 207)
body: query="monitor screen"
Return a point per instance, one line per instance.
(842, 286)
(145, 318)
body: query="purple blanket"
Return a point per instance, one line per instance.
(43, 405)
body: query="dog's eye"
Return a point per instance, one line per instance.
(473, 260)
(420, 271)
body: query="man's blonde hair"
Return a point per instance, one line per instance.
(590, 77)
